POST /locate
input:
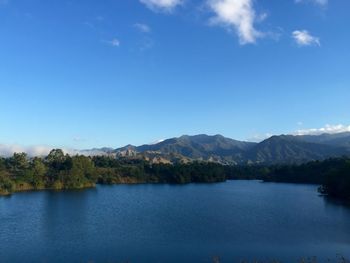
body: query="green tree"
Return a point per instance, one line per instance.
(82, 173)
(37, 173)
(18, 164)
(6, 184)
(56, 158)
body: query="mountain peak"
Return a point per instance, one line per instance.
(282, 148)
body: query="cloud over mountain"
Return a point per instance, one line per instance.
(331, 129)
(7, 150)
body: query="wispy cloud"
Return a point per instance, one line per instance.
(317, 2)
(162, 5)
(89, 24)
(7, 150)
(144, 28)
(304, 38)
(146, 43)
(157, 141)
(326, 129)
(259, 137)
(237, 15)
(100, 18)
(114, 42)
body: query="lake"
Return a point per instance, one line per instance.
(173, 223)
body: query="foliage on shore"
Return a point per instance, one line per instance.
(59, 171)
(333, 175)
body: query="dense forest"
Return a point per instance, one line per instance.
(59, 171)
(333, 175)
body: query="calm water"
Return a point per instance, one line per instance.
(166, 223)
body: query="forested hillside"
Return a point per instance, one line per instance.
(282, 149)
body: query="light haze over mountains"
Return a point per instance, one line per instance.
(217, 148)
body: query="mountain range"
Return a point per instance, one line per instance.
(217, 148)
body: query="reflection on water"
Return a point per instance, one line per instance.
(336, 203)
(54, 213)
(171, 223)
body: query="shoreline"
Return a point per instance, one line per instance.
(4, 193)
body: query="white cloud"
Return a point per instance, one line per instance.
(146, 43)
(259, 137)
(142, 27)
(157, 141)
(237, 15)
(7, 150)
(317, 2)
(162, 5)
(327, 129)
(262, 17)
(114, 42)
(304, 38)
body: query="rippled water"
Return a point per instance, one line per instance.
(172, 223)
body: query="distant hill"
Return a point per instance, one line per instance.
(217, 148)
(338, 139)
(292, 149)
(199, 146)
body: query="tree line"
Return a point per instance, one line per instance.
(61, 171)
(333, 175)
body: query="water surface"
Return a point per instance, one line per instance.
(173, 223)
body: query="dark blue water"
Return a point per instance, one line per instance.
(168, 223)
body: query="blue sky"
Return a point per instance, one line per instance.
(90, 73)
